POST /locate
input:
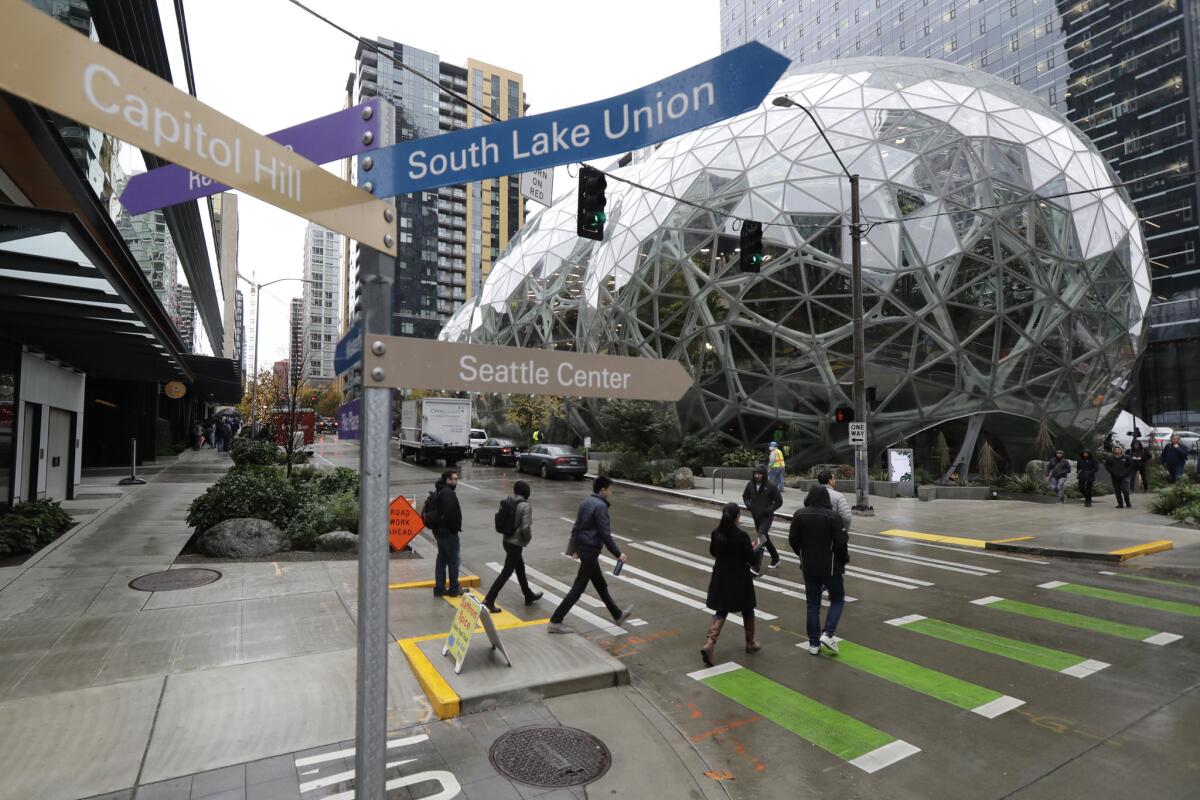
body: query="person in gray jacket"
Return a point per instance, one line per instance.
(592, 532)
(1057, 470)
(514, 549)
(840, 505)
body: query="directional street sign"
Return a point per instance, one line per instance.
(320, 140)
(731, 83)
(858, 434)
(349, 350)
(404, 523)
(350, 420)
(94, 86)
(405, 362)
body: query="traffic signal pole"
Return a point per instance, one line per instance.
(862, 502)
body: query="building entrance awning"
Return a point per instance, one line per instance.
(218, 380)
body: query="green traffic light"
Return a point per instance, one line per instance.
(599, 218)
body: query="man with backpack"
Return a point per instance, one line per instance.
(514, 521)
(442, 515)
(591, 533)
(762, 500)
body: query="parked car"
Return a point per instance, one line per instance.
(476, 437)
(496, 452)
(553, 459)
(1188, 439)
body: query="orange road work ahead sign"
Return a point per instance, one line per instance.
(404, 523)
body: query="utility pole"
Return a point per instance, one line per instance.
(257, 288)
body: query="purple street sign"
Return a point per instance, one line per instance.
(349, 419)
(320, 140)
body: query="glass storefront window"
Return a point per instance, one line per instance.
(9, 358)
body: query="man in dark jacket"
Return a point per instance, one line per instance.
(1119, 467)
(445, 532)
(1140, 456)
(1086, 469)
(591, 533)
(818, 538)
(1174, 458)
(1057, 470)
(762, 500)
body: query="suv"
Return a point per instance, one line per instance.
(475, 438)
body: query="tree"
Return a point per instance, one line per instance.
(297, 395)
(635, 424)
(267, 398)
(328, 400)
(531, 411)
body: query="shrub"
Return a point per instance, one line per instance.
(320, 514)
(631, 424)
(1189, 513)
(743, 457)
(628, 466)
(338, 481)
(1022, 483)
(253, 452)
(30, 526)
(697, 452)
(1175, 496)
(259, 492)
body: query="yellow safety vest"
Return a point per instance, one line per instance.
(776, 458)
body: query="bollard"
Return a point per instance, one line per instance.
(133, 478)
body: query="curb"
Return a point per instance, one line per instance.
(1114, 556)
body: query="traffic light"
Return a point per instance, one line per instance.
(590, 220)
(843, 414)
(750, 258)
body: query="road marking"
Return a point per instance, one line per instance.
(679, 587)
(308, 761)
(603, 624)
(865, 574)
(984, 554)
(1163, 581)
(1172, 606)
(338, 777)
(450, 787)
(637, 623)
(667, 593)
(1144, 549)
(617, 536)
(1136, 632)
(469, 486)
(936, 537)
(1024, 652)
(855, 742)
(963, 694)
(924, 561)
(463, 580)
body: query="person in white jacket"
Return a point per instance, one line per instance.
(840, 505)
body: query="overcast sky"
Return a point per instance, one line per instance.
(270, 65)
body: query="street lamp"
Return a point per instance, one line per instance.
(862, 504)
(258, 287)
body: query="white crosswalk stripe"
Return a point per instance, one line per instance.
(677, 586)
(602, 623)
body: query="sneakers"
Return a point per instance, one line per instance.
(774, 564)
(625, 615)
(828, 641)
(533, 598)
(558, 627)
(813, 649)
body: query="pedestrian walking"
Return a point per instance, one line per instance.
(1119, 467)
(1174, 458)
(210, 432)
(762, 500)
(592, 532)
(1057, 470)
(838, 500)
(515, 521)
(223, 435)
(731, 587)
(1086, 469)
(447, 524)
(818, 538)
(197, 436)
(1140, 456)
(776, 463)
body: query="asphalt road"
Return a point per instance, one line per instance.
(1041, 691)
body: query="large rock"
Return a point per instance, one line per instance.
(1037, 470)
(684, 479)
(338, 542)
(244, 537)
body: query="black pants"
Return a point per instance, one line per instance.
(1121, 488)
(763, 526)
(589, 570)
(1085, 488)
(1142, 472)
(514, 561)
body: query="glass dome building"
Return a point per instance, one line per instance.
(1004, 271)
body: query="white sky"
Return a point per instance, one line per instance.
(270, 65)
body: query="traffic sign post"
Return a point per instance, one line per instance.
(349, 350)
(404, 523)
(858, 434)
(538, 186)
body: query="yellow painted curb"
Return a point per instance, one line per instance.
(933, 537)
(463, 580)
(1013, 539)
(444, 700)
(502, 620)
(1143, 549)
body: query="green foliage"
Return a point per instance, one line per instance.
(30, 526)
(631, 424)
(1175, 498)
(340, 480)
(743, 457)
(1021, 483)
(697, 452)
(320, 514)
(253, 491)
(628, 466)
(1044, 440)
(252, 452)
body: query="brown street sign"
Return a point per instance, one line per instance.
(404, 362)
(48, 63)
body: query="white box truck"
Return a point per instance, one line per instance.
(435, 427)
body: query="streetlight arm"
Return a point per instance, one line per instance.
(783, 101)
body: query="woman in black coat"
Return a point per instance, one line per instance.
(731, 587)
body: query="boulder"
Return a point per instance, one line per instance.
(338, 542)
(684, 479)
(1037, 470)
(244, 537)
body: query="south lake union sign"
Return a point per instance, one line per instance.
(405, 362)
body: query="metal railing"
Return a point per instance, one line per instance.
(715, 473)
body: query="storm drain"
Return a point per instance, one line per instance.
(173, 579)
(550, 757)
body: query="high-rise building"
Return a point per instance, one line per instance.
(185, 316)
(296, 349)
(448, 239)
(239, 330)
(225, 231)
(322, 270)
(154, 250)
(1125, 72)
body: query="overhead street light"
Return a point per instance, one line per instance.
(862, 503)
(257, 288)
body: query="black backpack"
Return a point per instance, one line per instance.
(506, 517)
(430, 514)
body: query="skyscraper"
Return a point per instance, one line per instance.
(239, 330)
(185, 317)
(1125, 73)
(322, 267)
(154, 250)
(449, 238)
(296, 342)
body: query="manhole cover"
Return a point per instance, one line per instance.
(173, 579)
(550, 757)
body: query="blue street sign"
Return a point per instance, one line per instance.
(349, 350)
(350, 420)
(730, 84)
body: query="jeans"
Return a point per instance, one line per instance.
(775, 475)
(835, 584)
(514, 561)
(1121, 488)
(589, 570)
(1175, 471)
(763, 526)
(447, 558)
(1085, 487)
(1058, 486)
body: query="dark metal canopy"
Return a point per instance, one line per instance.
(218, 380)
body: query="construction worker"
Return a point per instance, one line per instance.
(775, 464)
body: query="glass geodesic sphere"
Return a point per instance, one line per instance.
(1002, 271)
